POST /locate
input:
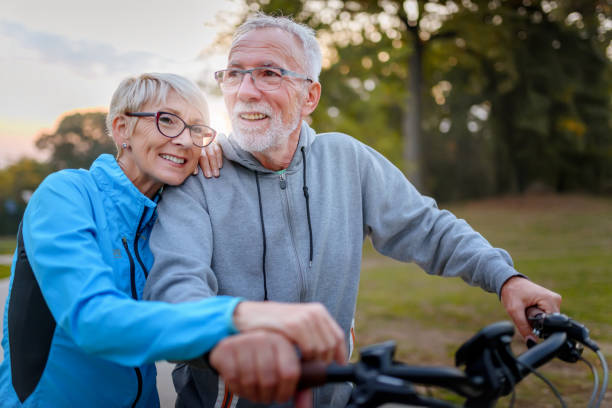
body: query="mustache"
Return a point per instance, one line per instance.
(259, 107)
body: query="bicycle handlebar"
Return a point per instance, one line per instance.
(491, 370)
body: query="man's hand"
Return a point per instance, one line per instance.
(260, 366)
(519, 293)
(211, 160)
(308, 325)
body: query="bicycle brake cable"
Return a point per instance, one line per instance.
(545, 380)
(595, 381)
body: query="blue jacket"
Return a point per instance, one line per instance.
(76, 332)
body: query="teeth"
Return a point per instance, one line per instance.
(253, 116)
(172, 158)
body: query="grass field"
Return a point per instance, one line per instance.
(5, 271)
(7, 245)
(561, 242)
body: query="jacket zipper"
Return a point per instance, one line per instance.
(134, 296)
(283, 186)
(132, 268)
(146, 273)
(134, 292)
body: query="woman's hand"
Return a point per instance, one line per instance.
(308, 325)
(211, 160)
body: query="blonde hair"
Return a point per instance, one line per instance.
(134, 92)
(305, 35)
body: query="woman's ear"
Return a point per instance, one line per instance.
(120, 130)
(312, 98)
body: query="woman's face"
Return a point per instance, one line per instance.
(154, 159)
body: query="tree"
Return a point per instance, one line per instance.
(464, 87)
(17, 183)
(77, 141)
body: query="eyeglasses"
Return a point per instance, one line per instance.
(171, 125)
(264, 78)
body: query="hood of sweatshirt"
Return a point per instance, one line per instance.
(235, 153)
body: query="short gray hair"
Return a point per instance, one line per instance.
(134, 92)
(305, 34)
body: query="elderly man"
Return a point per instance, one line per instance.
(287, 217)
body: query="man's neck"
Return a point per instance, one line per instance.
(279, 157)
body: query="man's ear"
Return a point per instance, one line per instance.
(312, 99)
(120, 130)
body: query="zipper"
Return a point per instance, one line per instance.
(135, 293)
(146, 273)
(301, 280)
(139, 392)
(132, 269)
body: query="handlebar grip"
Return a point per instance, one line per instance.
(534, 314)
(314, 373)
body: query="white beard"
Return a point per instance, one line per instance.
(253, 138)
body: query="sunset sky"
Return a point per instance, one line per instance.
(63, 55)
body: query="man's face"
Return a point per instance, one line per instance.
(265, 119)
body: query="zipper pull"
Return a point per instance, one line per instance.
(283, 181)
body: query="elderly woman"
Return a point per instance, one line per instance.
(76, 332)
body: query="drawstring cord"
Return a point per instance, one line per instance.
(263, 228)
(307, 196)
(263, 232)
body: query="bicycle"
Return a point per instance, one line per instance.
(490, 368)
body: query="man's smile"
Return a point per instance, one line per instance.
(253, 116)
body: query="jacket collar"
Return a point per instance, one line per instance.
(128, 200)
(233, 152)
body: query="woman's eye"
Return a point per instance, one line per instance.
(166, 120)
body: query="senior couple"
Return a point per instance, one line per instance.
(134, 260)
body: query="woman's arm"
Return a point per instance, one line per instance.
(79, 288)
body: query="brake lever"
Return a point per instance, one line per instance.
(544, 325)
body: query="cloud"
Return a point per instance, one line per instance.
(86, 57)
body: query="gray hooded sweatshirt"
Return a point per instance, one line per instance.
(297, 236)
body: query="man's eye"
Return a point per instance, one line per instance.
(271, 73)
(232, 73)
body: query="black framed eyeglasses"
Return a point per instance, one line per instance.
(171, 125)
(264, 78)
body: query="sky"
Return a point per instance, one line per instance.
(65, 55)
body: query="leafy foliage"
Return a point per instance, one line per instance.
(77, 141)
(507, 93)
(17, 183)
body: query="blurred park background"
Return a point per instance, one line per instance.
(501, 110)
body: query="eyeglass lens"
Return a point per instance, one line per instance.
(266, 79)
(171, 125)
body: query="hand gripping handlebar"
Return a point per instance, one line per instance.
(490, 369)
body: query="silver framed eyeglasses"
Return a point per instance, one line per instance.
(264, 78)
(171, 125)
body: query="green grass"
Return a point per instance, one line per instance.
(7, 245)
(561, 242)
(5, 271)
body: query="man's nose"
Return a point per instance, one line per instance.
(247, 89)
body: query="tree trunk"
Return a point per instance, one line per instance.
(411, 119)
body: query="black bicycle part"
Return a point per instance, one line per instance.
(491, 370)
